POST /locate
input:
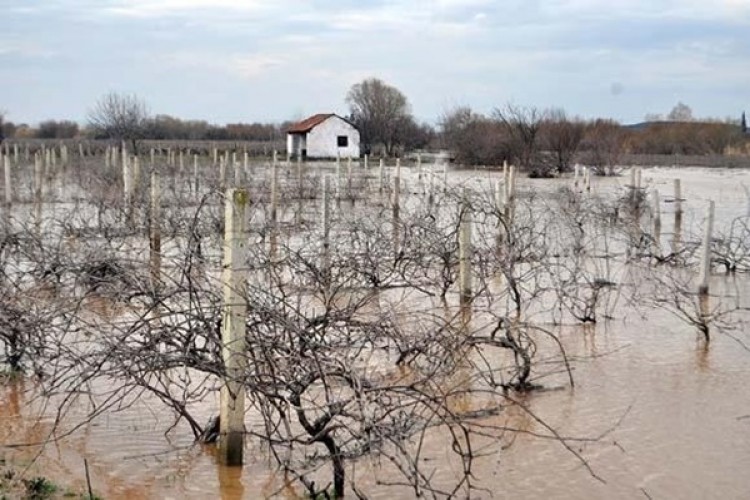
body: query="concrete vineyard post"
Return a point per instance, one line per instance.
(431, 195)
(8, 187)
(136, 176)
(576, 173)
(420, 176)
(124, 153)
(300, 188)
(656, 209)
(349, 177)
(465, 251)
(381, 176)
(237, 174)
(38, 187)
(300, 175)
(510, 194)
(38, 178)
(234, 309)
(127, 182)
(506, 181)
(338, 179)
(196, 182)
(222, 173)
(587, 179)
(274, 191)
(326, 229)
(397, 186)
(155, 231)
(499, 196)
(677, 230)
(705, 270)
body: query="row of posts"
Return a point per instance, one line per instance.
(233, 279)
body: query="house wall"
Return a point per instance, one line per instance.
(322, 139)
(295, 143)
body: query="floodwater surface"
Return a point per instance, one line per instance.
(655, 412)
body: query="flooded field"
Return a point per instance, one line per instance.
(655, 411)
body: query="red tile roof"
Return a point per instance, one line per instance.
(308, 124)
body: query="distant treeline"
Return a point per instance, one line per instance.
(160, 127)
(542, 142)
(546, 142)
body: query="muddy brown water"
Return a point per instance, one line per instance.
(672, 415)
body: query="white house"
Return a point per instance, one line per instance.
(324, 135)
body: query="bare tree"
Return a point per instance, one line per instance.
(120, 116)
(561, 137)
(473, 138)
(380, 111)
(604, 142)
(522, 126)
(680, 113)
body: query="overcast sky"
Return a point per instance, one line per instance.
(274, 60)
